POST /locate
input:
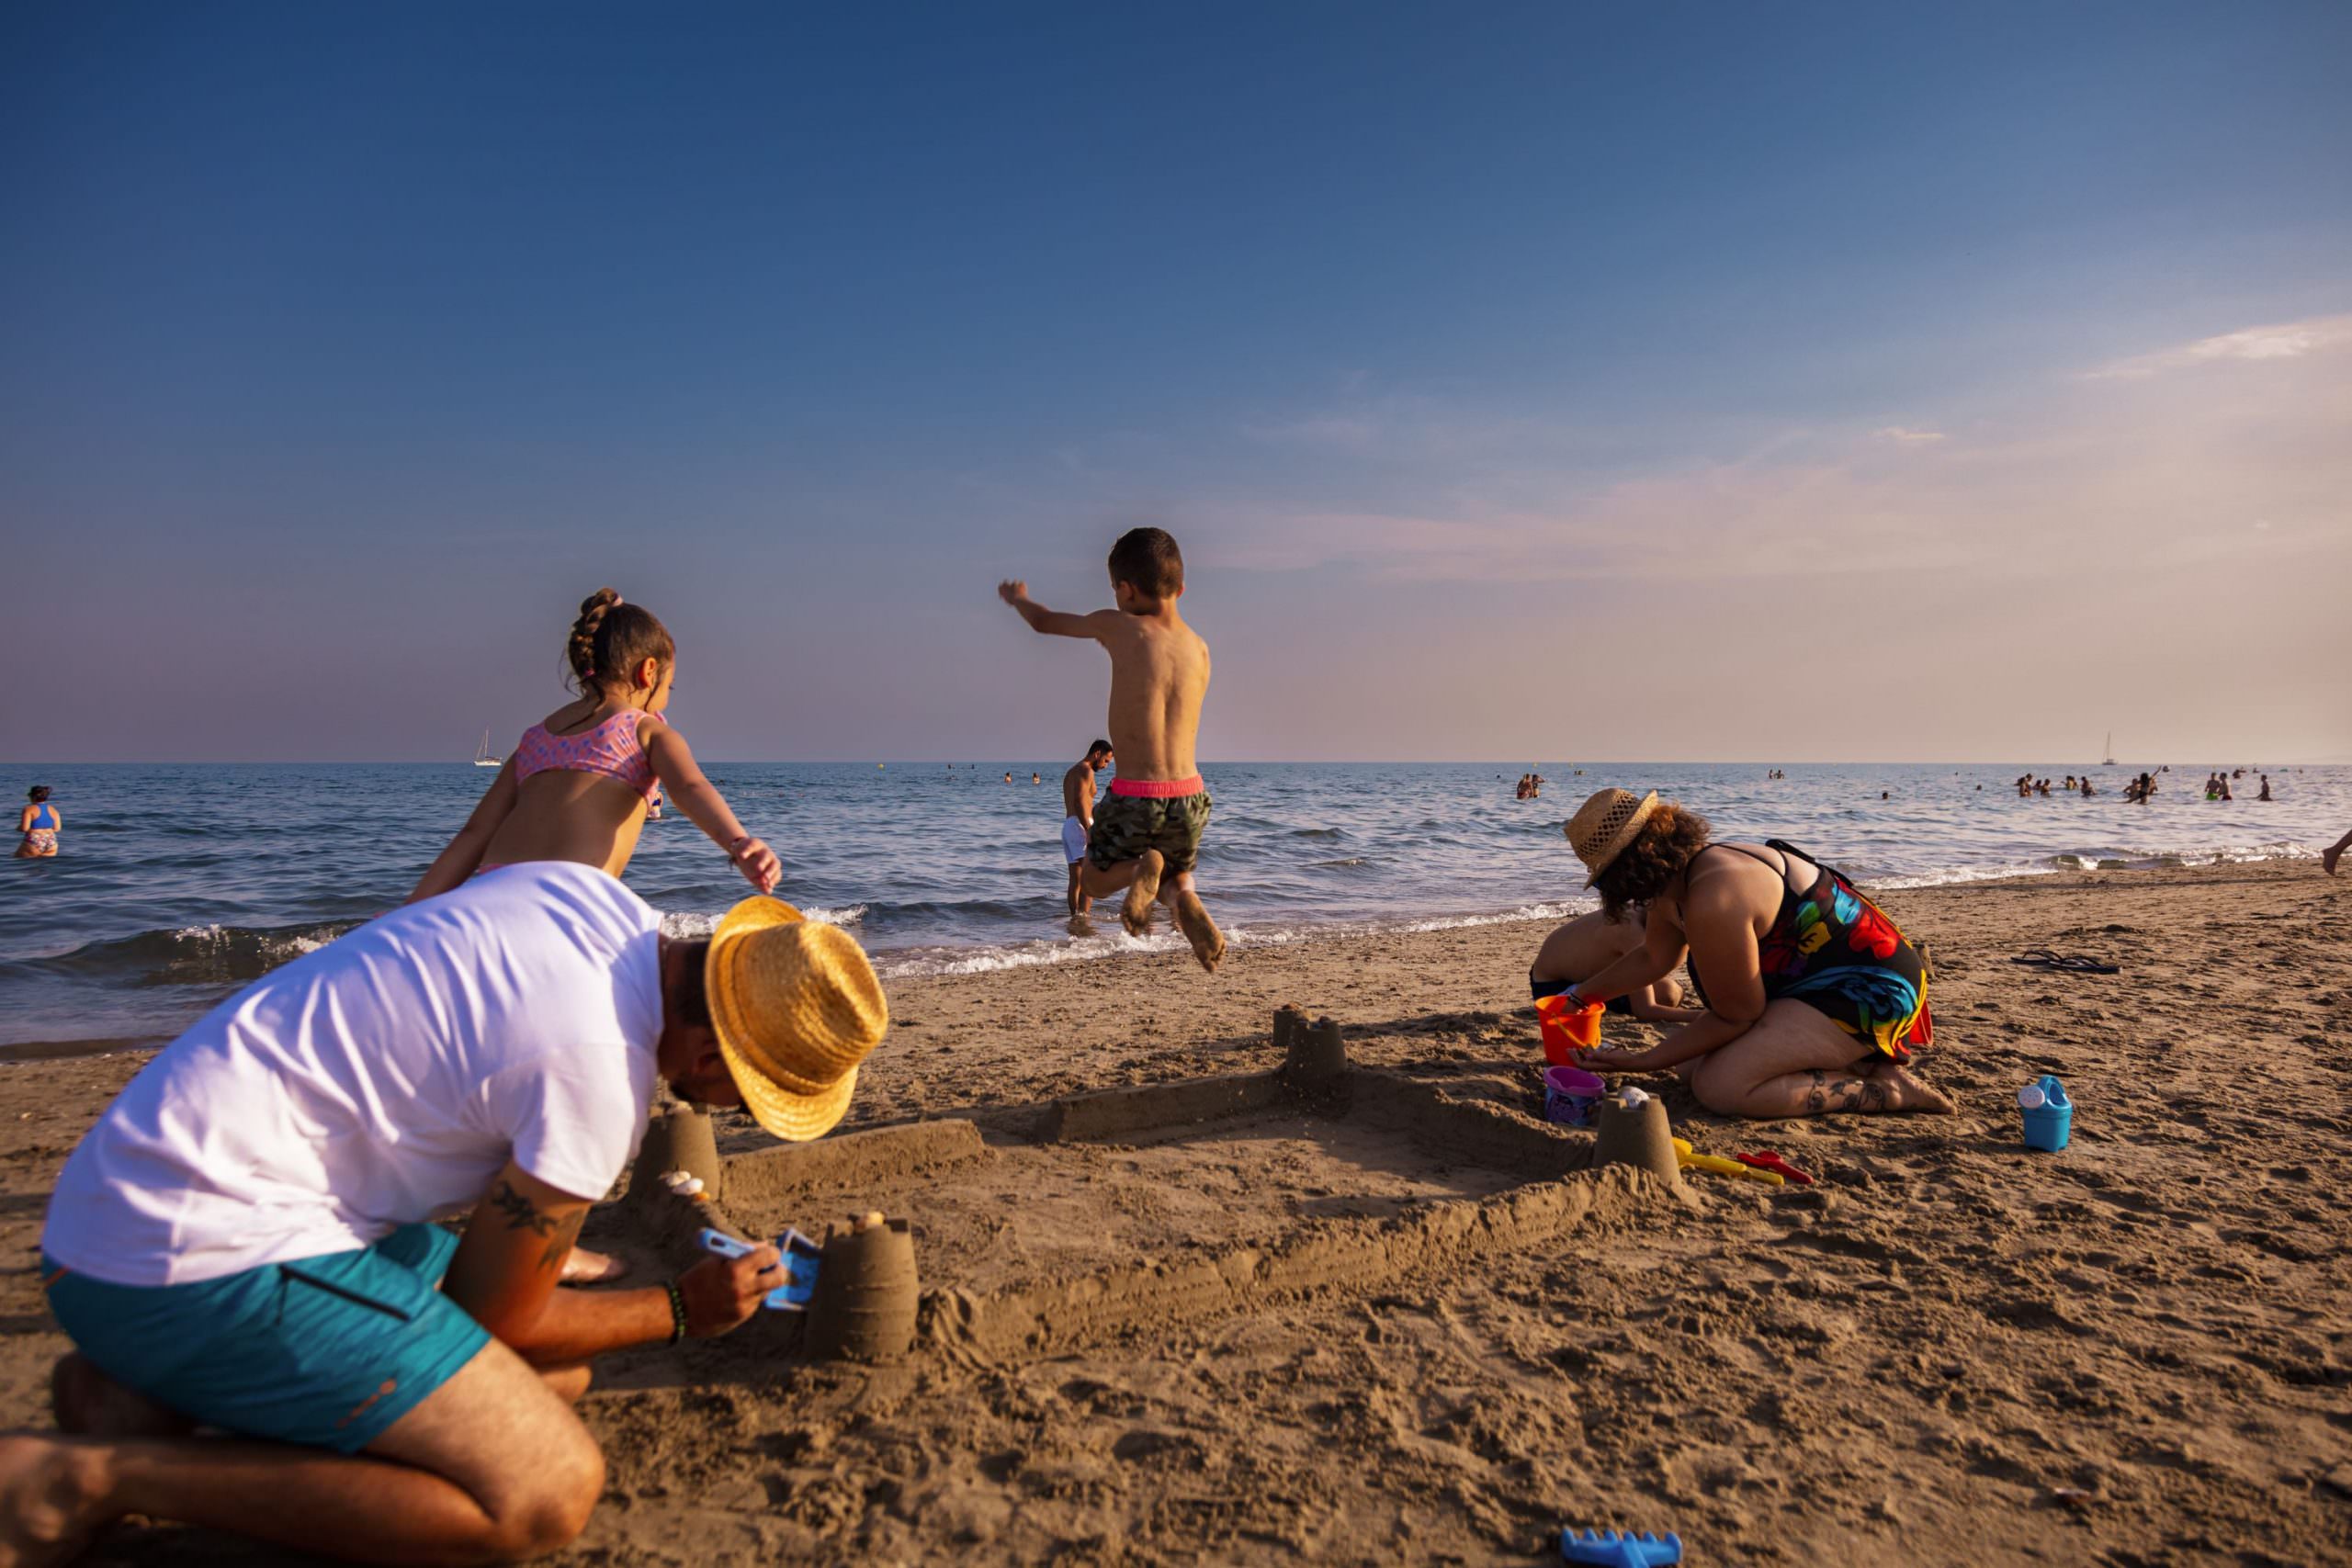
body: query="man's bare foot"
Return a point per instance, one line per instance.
(89, 1403)
(1134, 914)
(1192, 919)
(50, 1500)
(586, 1268)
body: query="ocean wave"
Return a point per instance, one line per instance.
(188, 956)
(928, 962)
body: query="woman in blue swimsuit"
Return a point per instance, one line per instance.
(40, 824)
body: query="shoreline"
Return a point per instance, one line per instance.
(1055, 953)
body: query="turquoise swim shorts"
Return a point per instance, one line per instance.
(324, 1351)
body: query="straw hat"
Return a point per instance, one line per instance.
(1604, 825)
(795, 1006)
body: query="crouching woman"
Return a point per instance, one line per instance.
(1814, 1002)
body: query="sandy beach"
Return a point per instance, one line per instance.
(1949, 1349)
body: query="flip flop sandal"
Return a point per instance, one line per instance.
(2065, 962)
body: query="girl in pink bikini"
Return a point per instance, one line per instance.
(580, 783)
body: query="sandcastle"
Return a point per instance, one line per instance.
(1107, 1212)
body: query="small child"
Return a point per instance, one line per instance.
(1591, 943)
(1147, 832)
(580, 781)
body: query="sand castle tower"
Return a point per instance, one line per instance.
(680, 1139)
(1636, 1135)
(868, 1293)
(1314, 1055)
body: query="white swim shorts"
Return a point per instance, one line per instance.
(1073, 840)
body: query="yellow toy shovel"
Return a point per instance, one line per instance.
(1689, 1159)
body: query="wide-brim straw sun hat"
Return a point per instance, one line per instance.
(1607, 821)
(796, 1006)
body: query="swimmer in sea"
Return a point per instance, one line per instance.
(40, 823)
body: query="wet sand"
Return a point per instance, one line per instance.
(1949, 1351)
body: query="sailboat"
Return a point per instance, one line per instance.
(482, 759)
(2110, 748)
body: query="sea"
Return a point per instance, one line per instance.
(180, 883)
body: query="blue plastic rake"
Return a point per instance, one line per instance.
(1607, 1549)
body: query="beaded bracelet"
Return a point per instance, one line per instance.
(677, 1312)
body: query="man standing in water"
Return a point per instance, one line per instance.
(1146, 837)
(1077, 818)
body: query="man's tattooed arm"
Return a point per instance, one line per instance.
(517, 1210)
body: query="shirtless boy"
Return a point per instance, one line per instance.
(1078, 817)
(1591, 943)
(1146, 834)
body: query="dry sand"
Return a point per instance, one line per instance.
(1903, 1364)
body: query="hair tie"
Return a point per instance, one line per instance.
(589, 673)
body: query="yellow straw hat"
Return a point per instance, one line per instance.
(797, 1008)
(1604, 825)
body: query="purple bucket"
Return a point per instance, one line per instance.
(1569, 1095)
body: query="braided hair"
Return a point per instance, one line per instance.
(611, 639)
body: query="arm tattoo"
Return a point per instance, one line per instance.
(1817, 1099)
(524, 1215)
(520, 1212)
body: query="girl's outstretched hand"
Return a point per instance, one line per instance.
(1612, 1056)
(758, 863)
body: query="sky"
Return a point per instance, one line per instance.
(1661, 383)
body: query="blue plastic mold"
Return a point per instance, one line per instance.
(1607, 1549)
(2051, 1123)
(801, 1259)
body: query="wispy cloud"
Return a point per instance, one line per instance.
(2288, 340)
(2058, 483)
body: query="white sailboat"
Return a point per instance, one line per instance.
(482, 759)
(2110, 748)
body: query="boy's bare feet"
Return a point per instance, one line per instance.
(49, 1502)
(87, 1401)
(1134, 914)
(1192, 919)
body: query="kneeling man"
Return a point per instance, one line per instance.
(241, 1242)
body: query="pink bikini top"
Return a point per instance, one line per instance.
(610, 749)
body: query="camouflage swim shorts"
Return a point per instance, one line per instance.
(1126, 825)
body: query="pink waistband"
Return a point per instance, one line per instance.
(1158, 789)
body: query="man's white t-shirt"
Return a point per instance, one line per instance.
(385, 1078)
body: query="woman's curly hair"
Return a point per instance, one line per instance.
(611, 639)
(1655, 857)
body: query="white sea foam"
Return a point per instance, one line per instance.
(686, 925)
(929, 961)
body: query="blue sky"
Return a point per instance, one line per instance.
(1654, 382)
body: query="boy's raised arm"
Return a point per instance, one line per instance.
(1049, 623)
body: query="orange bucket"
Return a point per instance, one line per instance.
(1567, 1028)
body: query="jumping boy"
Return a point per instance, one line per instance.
(1147, 832)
